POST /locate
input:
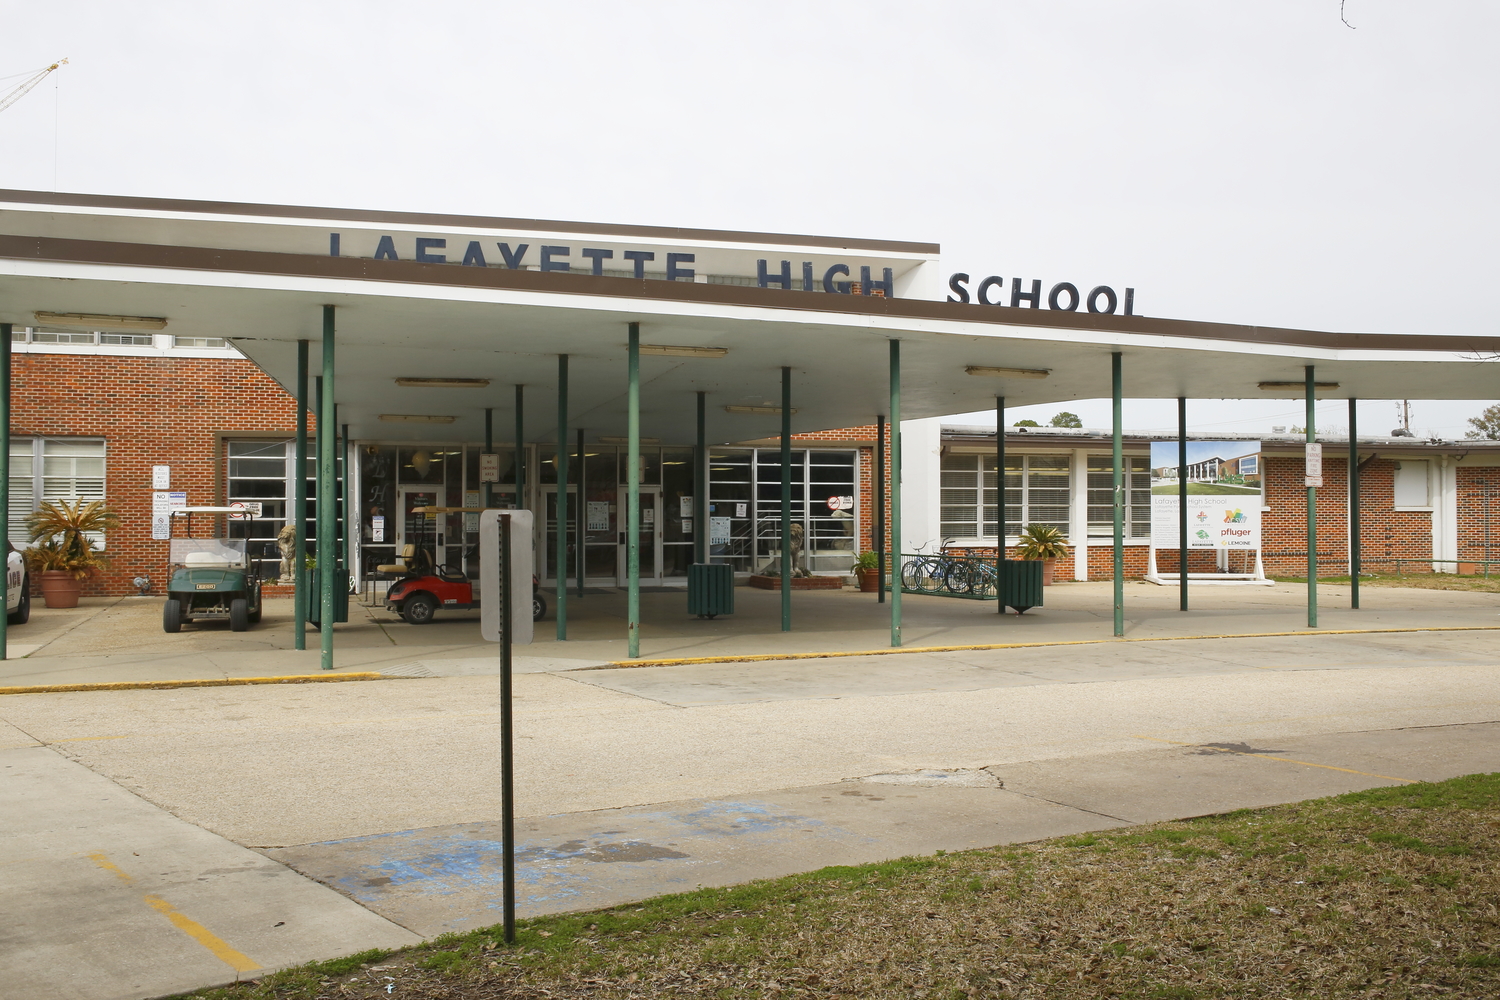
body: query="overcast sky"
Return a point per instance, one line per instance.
(1247, 163)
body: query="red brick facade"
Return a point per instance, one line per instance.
(150, 411)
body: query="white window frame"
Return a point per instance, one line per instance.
(984, 486)
(21, 509)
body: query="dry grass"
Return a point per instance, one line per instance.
(1388, 893)
(1415, 581)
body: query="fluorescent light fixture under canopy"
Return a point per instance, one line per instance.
(755, 409)
(415, 418)
(1008, 372)
(618, 439)
(1295, 386)
(100, 321)
(443, 383)
(674, 351)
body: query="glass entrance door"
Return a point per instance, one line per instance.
(425, 531)
(548, 539)
(651, 535)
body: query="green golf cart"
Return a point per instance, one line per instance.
(210, 578)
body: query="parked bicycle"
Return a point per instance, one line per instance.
(934, 573)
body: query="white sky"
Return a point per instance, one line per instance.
(1247, 163)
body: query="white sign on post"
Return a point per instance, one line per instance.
(521, 562)
(489, 468)
(1312, 471)
(1224, 494)
(162, 505)
(161, 477)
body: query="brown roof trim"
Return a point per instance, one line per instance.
(649, 289)
(440, 221)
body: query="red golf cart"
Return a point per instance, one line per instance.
(424, 588)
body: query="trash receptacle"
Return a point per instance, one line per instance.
(1022, 583)
(315, 597)
(710, 589)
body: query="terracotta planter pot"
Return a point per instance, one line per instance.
(869, 580)
(1049, 566)
(60, 589)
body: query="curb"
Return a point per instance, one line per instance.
(216, 682)
(889, 651)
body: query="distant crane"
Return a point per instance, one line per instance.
(6, 100)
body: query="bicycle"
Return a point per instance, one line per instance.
(937, 572)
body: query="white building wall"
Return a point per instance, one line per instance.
(1078, 514)
(921, 474)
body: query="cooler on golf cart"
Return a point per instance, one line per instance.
(210, 577)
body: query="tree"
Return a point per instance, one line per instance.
(1026, 423)
(1066, 419)
(1486, 425)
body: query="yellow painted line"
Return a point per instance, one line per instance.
(1284, 760)
(888, 651)
(236, 960)
(216, 682)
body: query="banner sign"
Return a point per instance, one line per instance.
(1224, 494)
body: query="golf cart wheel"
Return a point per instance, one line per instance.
(419, 609)
(171, 615)
(538, 607)
(239, 615)
(22, 614)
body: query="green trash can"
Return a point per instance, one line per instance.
(710, 589)
(315, 598)
(1022, 583)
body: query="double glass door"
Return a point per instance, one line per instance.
(650, 535)
(605, 550)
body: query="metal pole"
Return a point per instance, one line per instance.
(879, 492)
(700, 487)
(5, 353)
(1354, 552)
(487, 500)
(507, 735)
(578, 533)
(999, 502)
(633, 494)
(520, 447)
(1182, 518)
(895, 407)
(560, 465)
(1119, 492)
(786, 499)
(327, 495)
(299, 507)
(1312, 509)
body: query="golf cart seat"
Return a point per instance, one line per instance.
(450, 575)
(398, 568)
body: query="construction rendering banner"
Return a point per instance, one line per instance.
(1224, 494)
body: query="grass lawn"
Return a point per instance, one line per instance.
(1420, 581)
(1208, 489)
(1386, 893)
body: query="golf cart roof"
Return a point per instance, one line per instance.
(207, 510)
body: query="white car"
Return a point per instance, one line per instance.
(17, 589)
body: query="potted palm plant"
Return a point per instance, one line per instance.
(867, 571)
(1040, 541)
(62, 555)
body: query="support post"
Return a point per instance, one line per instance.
(1312, 509)
(879, 492)
(299, 507)
(633, 494)
(5, 353)
(520, 447)
(327, 496)
(487, 498)
(1182, 518)
(507, 734)
(1118, 451)
(895, 409)
(700, 483)
(999, 502)
(560, 465)
(578, 518)
(1354, 553)
(786, 500)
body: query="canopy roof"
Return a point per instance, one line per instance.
(188, 263)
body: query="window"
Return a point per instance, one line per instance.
(59, 337)
(1137, 496)
(1411, 483)
(1036, 492)
(52, 469)
(198, 342)
(126, 339)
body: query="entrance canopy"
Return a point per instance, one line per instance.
(450, 297)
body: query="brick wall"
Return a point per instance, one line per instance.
(150, 411)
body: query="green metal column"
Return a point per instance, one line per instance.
(520, 447)
(700, 484)
(786, 500)
(1182, 519)
(327, 494)
(5, 352)
(895, 408)
(1354, 507)
(999, 502)
(1119, 492)
(879, 492)
(560, 465)
(1312, 509)
(633, 494)
(299, 507)
(488, 498)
